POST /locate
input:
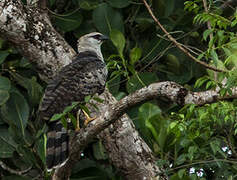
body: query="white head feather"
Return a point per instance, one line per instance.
(91, 42)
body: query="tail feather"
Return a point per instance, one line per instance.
(57, 145)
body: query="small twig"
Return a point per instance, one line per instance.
(178, 44)
(5, 167)
(209, 27)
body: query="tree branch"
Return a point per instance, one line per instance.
(111, 112)
(30, 30)
(178, 44)
(13, 171)
(32, 33)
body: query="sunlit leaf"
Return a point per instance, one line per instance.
(118, 40)
(135, 55)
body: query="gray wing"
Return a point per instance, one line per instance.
(85, 76)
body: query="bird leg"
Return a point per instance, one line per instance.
(77, 129)
(88, 118)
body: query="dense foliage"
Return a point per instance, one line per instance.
(189, 142)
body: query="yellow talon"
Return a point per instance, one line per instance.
(88, 118)
(77, 129)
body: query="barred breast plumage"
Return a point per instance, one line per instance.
(86, 75)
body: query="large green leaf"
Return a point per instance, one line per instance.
(4, 95)
(33, 88)
(69, 21)
(147, 110)
(3, 56)
(119, 3)
(8, 146)
(140, 80)
(5, 83)
(106, 18)
(16, 111)
(118, 40)
(135, 55)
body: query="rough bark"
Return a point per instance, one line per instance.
(29, 29)
(113, 110)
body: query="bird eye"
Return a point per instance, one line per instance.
(98, 37)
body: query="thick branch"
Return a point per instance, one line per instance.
(171, 90)
(30, 30)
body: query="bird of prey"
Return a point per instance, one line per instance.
(84, 76)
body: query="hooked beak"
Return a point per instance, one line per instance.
(104, 38)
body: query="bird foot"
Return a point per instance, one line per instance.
(88, 118)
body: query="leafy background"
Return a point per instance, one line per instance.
(189, 142)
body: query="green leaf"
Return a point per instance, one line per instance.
(87, 98)
(15, 177)
(98, 99)
(214, 56)
(88, 4)
(8, 145)
(40, 146)
(56, 117)
(27, 155)
(68, 22)
(106, 18)
(215, 146)
(135, 55)
(5, 83)
(113, 84)
(207, 33)
(16, 111)
(4, 96)
(51, 2)
(146, 78)
(181, 173)
(33, 88)
(65, 111)
(35, 91)
(118, 40)
(99, 151)
(147, 110)
(172, 63)
(70, 108)
(3, 56)
(119, 3)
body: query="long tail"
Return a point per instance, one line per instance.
(57, 145)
